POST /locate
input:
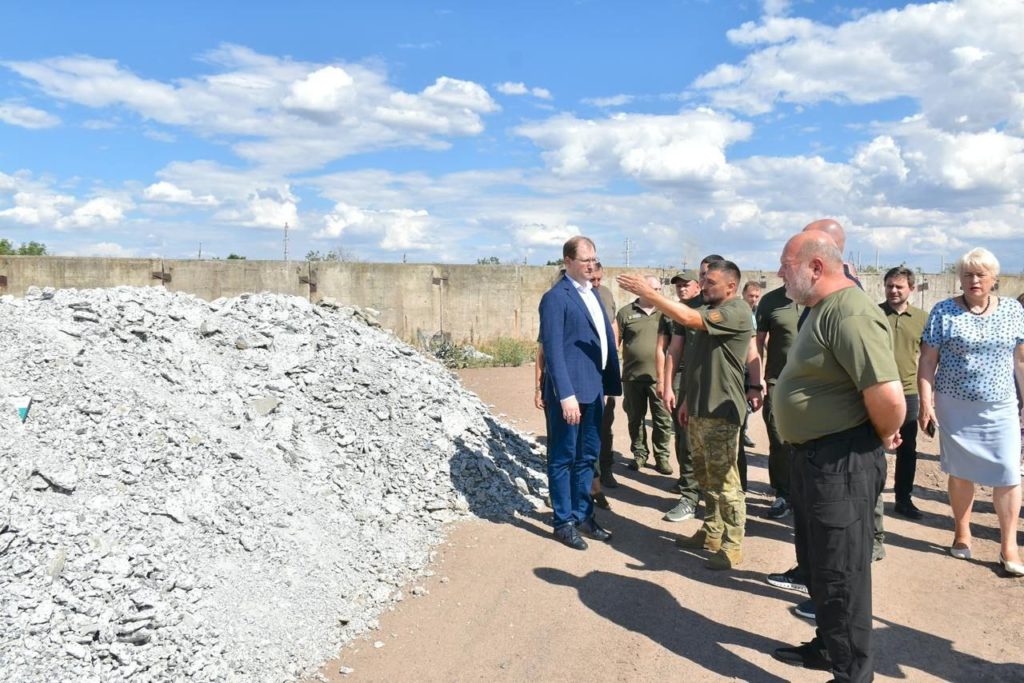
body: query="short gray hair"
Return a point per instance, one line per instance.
(979, 257)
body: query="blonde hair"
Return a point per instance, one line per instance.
(976, 258)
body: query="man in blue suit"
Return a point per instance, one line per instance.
(581, 367)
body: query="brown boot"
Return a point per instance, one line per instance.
(699, 540)
(725, 559)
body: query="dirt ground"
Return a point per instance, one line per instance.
(508, 603)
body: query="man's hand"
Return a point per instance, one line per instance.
(755, 399)
(682, 416)
(668, 397)
(636, 284)
(891, 443)
(571, 411)
(538, 399)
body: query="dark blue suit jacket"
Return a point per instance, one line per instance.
(572, 349)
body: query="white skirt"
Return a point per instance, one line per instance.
(979, 441)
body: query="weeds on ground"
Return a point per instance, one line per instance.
(507, 351)
(503, 351)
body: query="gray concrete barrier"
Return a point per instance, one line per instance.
(471, 303)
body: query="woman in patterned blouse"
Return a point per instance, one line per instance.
(975, 341)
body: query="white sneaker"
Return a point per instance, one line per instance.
(681, 512)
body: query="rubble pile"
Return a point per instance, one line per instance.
(223, 490)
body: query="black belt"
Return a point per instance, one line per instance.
(835, 436)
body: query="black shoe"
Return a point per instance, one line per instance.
(790, 580)
(809, 655)
(633, 465)
(601, 501)
(907, 509)
(806, 610)
(747, 441)
(608, 481)
(567, 534)
(592, 529)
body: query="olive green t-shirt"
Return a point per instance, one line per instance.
(777, 315)
(907, 328)
(685, 332)
(715, 359)
(639, 334)
(843, 347)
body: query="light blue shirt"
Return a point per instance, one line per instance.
(975, 352)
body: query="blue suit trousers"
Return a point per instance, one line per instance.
(572, 452)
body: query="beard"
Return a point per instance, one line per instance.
(799, 286)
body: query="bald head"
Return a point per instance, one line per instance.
(812, 267)
(808, 246)
(831, 228)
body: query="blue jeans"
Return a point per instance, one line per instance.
(572, 452)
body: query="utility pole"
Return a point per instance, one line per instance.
(200, 251)
(628, 250)
(286, 240)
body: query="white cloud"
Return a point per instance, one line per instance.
(276, 111)
(689, 146)
(170, 193)
(606, 102)
(960, 60)
(37, 206)
(102, 249)
(540, 235)
(510, 88)
(26, 117)
(263, 208)
(398, 229)
(325, 91)
(97, 212)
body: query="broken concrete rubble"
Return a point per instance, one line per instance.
(227, 490)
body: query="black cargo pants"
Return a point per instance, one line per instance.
(836, 480)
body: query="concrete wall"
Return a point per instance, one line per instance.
(472, 303)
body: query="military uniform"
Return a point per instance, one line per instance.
(777, 315)
(639, 330)
(843, 347)
(689, 489)
(716, 404)
(907, 329)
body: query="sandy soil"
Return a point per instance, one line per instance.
(508, 603)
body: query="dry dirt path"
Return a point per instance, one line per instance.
(507, 603)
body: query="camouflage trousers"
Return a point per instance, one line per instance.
(714, 444)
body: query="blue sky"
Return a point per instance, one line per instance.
(463, 130)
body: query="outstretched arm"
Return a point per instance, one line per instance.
(681, 313)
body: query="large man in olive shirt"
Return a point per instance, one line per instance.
(907, 324)
(640, 324)
(715, 402)
(843, 407)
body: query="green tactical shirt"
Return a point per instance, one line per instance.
(907, 329)
(778, 316)
(715, 361)
(843, 347)
(639, 334)
(685, 332)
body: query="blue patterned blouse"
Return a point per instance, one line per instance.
(975, 352)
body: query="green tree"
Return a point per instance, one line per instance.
(340, 254)
(235, 257)
(555, 262)
(33, 248)
(489, 261)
